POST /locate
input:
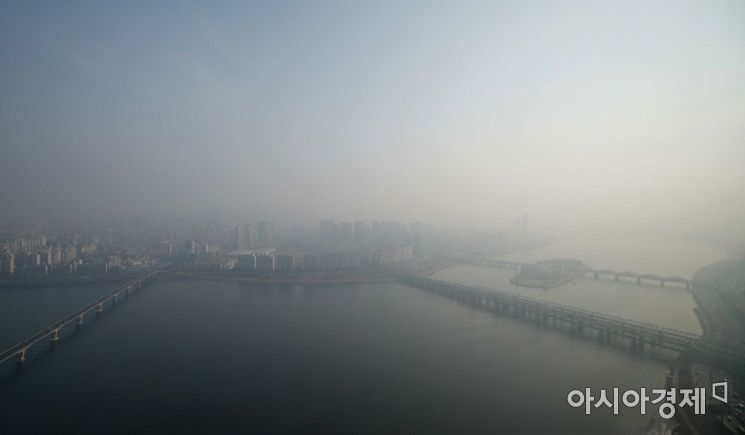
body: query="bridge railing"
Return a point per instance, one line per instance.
(19, 347)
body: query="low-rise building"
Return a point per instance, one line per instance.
(264, 263)
(247, 262)
(284, 263)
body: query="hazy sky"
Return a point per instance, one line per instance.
(460, 112)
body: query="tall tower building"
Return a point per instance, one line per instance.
(263, 232)
(239, 237)
(7, 264)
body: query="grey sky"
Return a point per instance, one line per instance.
(452, 112)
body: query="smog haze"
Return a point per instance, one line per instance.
(599, 114)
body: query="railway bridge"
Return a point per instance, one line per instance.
(639, 278)
(608, 327)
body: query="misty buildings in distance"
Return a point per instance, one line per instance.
(337, 246)
(113, 250)
(60, 255)
(53, 254)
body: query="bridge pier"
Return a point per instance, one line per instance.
(80, 319)
(662, 283)
(616, 277)
(603, 335)
(637, 343)
(638, 280)
(99, 310)
(54, 336)
(22, 355)
(609, 328)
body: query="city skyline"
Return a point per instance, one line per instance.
(475, 217)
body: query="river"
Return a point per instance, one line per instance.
(229, 357)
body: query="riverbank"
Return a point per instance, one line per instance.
(68, 281)
(347, 276)
(719, 292)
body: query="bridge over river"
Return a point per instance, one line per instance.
(639, 278)
(608, 327)
(52, 332)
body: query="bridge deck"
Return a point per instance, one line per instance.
(599, 272)
(71, 318)
(641, 332)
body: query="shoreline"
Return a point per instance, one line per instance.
(349, 276)
(66, 282)
(708, 296)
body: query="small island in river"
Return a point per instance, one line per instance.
(550, 273)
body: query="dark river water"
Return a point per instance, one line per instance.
(225, 357)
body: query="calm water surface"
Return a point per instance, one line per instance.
(672, 306)
(224, 357)
(24, 310)
(219, 357)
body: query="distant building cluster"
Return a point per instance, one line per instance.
(260, 246)
(269, 263)
(345, 245)
(39, 256)
(193, 248)
(355, 234)
(251, 236)
(34, 256)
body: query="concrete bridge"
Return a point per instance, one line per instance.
(52, 332)
(639, 278)
(606, 326)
